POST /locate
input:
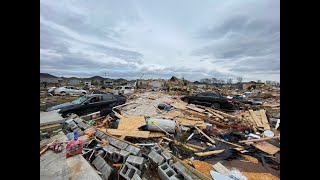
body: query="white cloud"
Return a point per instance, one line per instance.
(194, 39)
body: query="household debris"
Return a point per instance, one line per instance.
(156, 135)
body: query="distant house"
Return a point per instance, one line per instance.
(74, 81)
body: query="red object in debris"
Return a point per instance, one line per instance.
(74, 147)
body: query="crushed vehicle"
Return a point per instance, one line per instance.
(209, 99)
(89, 103)
(123, 90)
(69, 90)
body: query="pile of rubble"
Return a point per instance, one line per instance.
(156, 135)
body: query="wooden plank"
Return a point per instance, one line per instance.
(214, 113)
(225, 114)
(132, 123)
(50, 127)
(266, 147)
(122, 137)
(255, 118)
(196, 109)
(258, 140)
(204, 134)
(264, 118)
(156, 134)
(180, 144)
(209, 153)
(117, 115)
(195, 146)
(195, 114)
(192, 118)
(129, 133)
(186, 122)
(221, 140)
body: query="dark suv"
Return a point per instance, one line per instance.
(210, 99)
(90, 103)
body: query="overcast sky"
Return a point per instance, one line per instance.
(183, 38)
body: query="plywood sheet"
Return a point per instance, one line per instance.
(188, 122)
(266, 147)
(129, 133)
(132, 123)
(203, 167)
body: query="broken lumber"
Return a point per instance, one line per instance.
(258, 140)
(187, 122)
(225, 114)
(214, 113)
(266, 147)
(117, 115)
(196, 109)
(179, 105)
(195, 146)
(128, 133)
(264, 119)
(195, 114)
(221, 140)
(209, 153)
(181, 144)
(204, 134)
(255, 118)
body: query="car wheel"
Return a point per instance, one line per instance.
(84, 93)
(62, 92)
(186, 100)
(215, 105)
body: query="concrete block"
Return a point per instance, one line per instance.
(156, 148)
(180, 169)
(136, 161)
(98, 163)
(106, 171)
(109, 151)
(167, 156)
(136, 177)
(176, 177)
(99, 134)
(77, 120)
(134, 150)
(128, 171)
(165, 171)
(117, 143)
(120, 156)
(156, 158)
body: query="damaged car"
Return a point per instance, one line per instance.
(89, 103)
(211, 99)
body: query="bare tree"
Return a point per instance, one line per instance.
(239, 79)
(258, 81)
(229, 81)
(214, 80)
(222, 81)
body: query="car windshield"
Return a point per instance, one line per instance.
(80, 100)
